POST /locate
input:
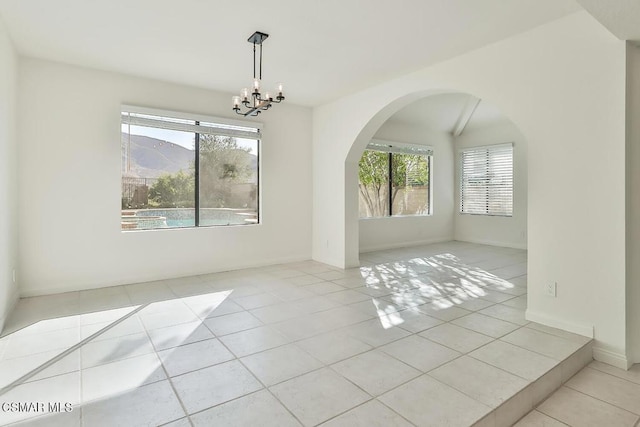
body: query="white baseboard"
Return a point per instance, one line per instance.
(601, 354)
(493, 243)
(31, 292)
(611, 358)
(545, 319)
(386, 246)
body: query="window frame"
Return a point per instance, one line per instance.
(390, 148)
(198, 119)
(489, 149)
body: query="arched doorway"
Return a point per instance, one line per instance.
(512, 231)
(576, 149)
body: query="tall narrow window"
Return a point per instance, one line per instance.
(186, 172)
(410, 184)
(373, 184)
(486, 180)
(394, 180)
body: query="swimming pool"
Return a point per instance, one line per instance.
(148, 219)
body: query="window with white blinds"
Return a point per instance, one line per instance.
(486, 182)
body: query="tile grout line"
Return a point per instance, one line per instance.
(236, 358)
(166, 373)
(333, 330)
(268, 391)
(329, 366)
(614, 376)
(537, 408)
(530, 382)
(471, 397)
(597, 398)
(68, 351)
(541, 354)
(293, 341)
(377, 348)
(316, 335)
(509, 372)
(324, 365)
(545, 414)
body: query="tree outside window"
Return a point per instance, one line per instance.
(394, 184)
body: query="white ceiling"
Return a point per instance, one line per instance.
(320, 49)
(621, 17)
(442, 112)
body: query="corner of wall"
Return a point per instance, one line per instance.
(8, 175)
(613, 358)
(632, 202)
(12, 301)
(554, 322)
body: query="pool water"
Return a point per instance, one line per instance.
(181, 222)
(146, 219)
(203, 222)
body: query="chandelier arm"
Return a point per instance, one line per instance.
(249, 112)
(255, 103)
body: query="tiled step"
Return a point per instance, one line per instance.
(520, 404)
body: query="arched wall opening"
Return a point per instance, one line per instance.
(569, 103)
(446, 123)
(352, 245)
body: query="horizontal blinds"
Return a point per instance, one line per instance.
(184, 125)
(399, 147)
(486, 184)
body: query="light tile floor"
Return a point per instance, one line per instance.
(431, 335)
(598, 395)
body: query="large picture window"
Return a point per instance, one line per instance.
(187, 172)
(486, 181)
(394, 180)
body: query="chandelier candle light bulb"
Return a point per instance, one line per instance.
(254, 102)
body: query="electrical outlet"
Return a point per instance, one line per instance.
(13, 275)
(551, 289)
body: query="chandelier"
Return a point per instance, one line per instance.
(255, 102)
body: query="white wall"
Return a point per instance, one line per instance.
(633, 202)
(8, 173)
(69, 185)
(563, 85)
(384, 233)
(495, 230)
